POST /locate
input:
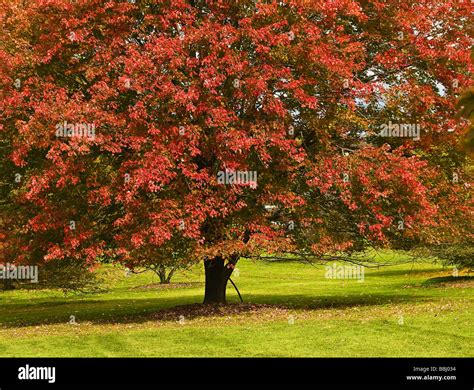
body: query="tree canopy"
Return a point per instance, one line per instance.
(226, 129)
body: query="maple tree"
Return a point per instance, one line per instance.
(172, 96)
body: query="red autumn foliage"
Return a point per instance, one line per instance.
(178, 91)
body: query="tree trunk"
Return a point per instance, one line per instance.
(217, 276)
(170, 274)
(162, 275)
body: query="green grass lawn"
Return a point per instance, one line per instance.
(396, 311)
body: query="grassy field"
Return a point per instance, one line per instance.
(290, 310)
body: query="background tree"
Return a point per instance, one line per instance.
(175, 255)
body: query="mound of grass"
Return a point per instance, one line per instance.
(446, 281)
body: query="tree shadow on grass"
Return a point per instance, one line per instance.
(129, 311)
